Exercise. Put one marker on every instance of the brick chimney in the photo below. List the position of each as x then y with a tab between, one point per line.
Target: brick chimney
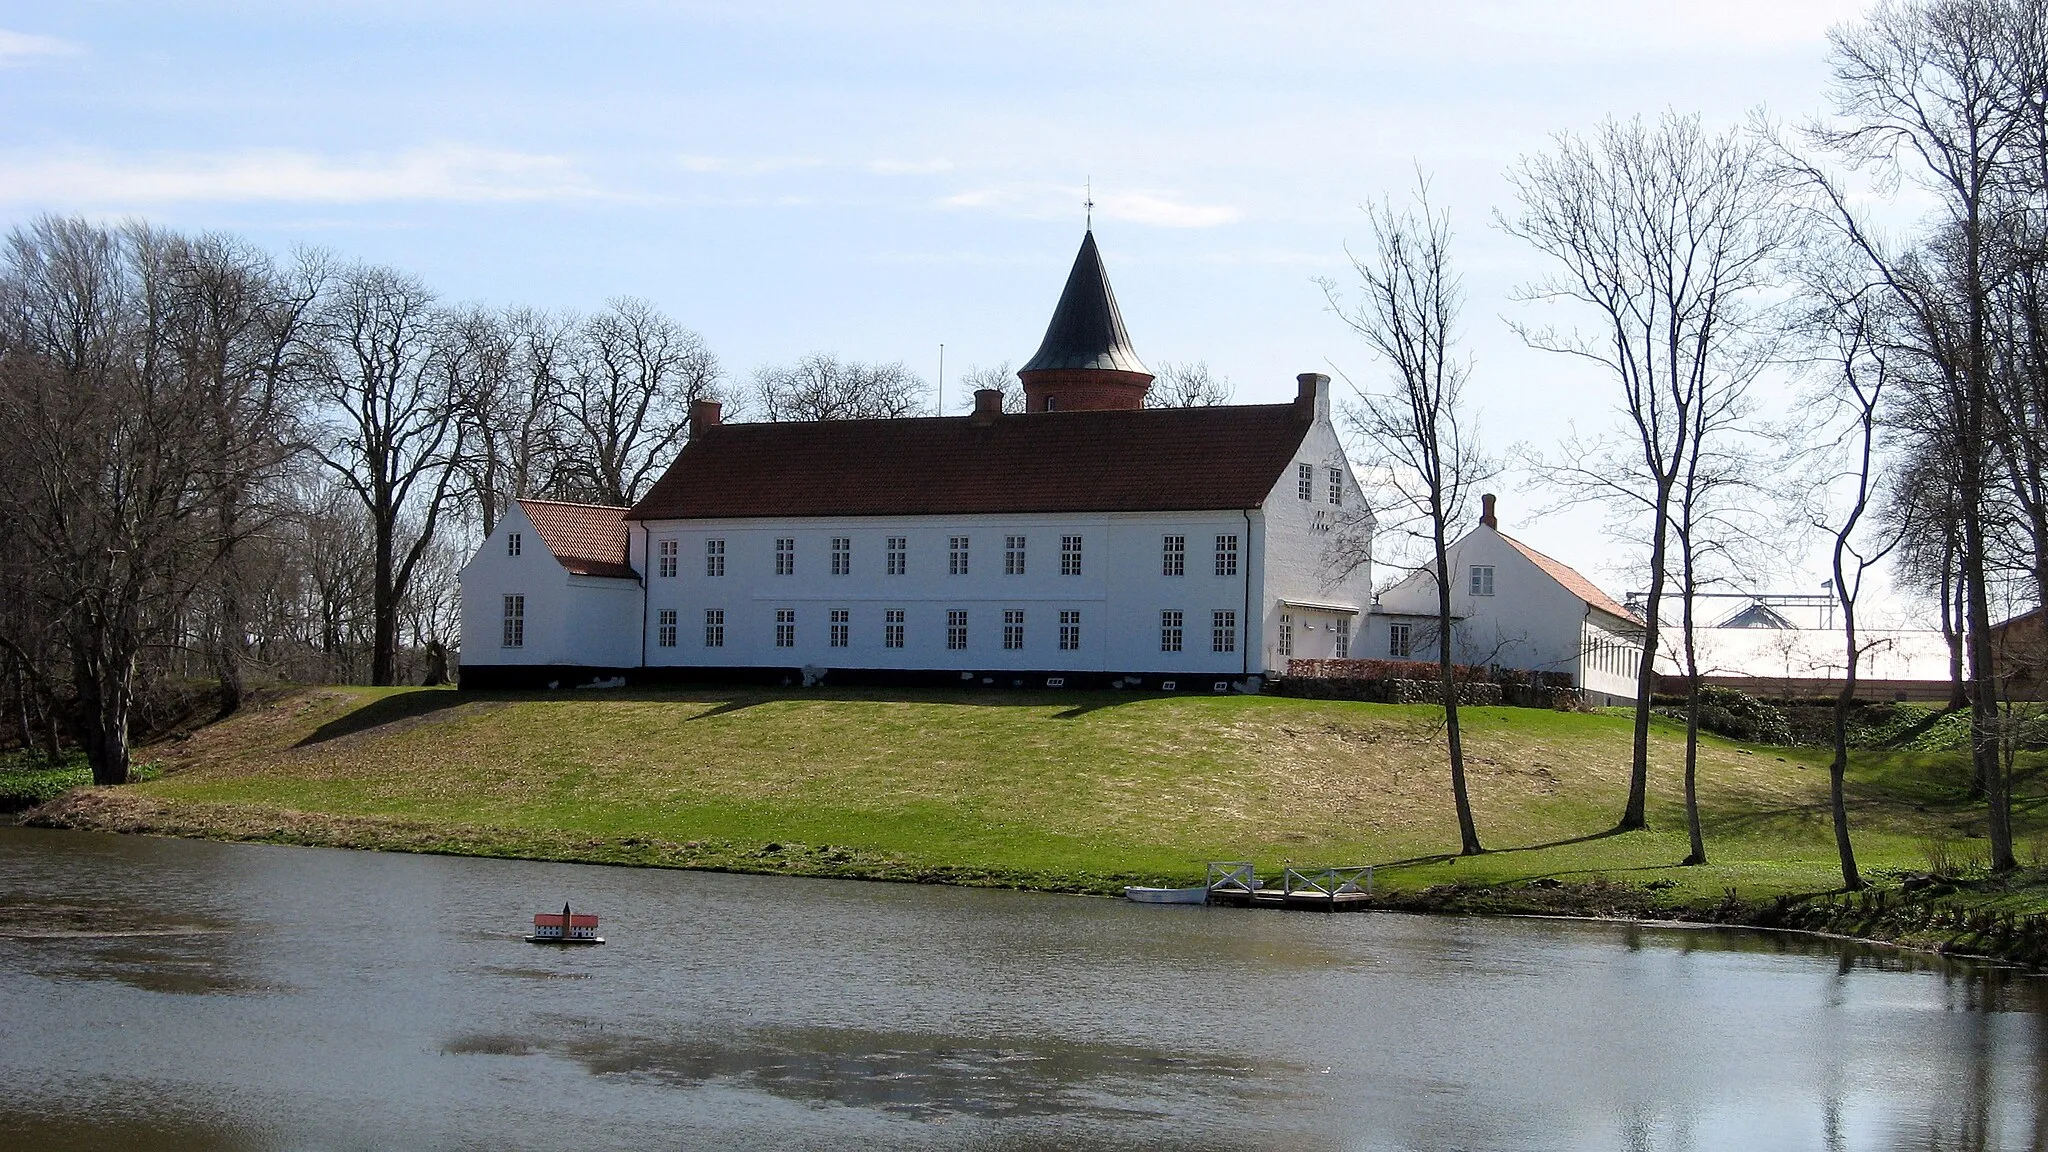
1312	395
1486	516
704	414
988	404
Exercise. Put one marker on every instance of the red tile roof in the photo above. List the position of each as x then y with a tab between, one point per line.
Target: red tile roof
1139	460
1578	585
588	539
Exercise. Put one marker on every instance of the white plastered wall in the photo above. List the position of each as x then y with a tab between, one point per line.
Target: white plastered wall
575	620
1313	552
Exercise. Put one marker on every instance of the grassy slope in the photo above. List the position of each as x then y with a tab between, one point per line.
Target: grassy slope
1077	791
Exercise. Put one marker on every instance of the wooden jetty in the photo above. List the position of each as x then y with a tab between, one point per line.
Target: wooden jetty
1235	883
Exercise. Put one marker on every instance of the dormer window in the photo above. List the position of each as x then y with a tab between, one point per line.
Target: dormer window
512	544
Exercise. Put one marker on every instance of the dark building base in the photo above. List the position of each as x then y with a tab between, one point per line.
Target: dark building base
501	676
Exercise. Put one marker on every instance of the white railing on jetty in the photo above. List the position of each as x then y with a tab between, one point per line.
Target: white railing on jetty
1328	882
1232	876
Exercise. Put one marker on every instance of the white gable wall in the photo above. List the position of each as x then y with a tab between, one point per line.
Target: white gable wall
579	620
1313	551
1530	622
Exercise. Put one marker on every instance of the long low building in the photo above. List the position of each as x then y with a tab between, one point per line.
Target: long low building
1086	540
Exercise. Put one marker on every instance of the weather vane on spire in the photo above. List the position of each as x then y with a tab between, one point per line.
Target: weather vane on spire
1088	204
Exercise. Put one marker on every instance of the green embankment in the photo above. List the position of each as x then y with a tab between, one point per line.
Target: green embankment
1074	792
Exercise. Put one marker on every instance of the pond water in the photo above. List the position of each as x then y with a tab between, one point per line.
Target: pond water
175	994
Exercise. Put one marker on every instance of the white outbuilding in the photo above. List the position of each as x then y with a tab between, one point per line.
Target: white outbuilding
1513	607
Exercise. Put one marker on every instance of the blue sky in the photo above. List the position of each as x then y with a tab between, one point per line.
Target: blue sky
875	179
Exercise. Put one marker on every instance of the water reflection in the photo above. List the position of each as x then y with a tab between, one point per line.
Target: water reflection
168	994
916	1075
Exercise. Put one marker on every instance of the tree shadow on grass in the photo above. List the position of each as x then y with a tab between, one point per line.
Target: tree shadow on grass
399	707
1441	857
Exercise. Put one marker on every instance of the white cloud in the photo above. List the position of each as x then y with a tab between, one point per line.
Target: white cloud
16	47
446	174
908	167
1052	201
746	165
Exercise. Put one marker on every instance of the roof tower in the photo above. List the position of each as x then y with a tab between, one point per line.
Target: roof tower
1086	361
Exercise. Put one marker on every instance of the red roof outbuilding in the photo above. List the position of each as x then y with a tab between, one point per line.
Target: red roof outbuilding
587	539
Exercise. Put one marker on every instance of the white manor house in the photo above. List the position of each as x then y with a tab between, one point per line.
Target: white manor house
1086	541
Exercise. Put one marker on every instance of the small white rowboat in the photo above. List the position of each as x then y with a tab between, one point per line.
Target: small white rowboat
1143	895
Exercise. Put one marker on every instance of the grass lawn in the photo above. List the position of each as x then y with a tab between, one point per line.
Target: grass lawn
1073	791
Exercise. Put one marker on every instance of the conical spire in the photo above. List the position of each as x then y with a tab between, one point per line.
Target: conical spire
1087	331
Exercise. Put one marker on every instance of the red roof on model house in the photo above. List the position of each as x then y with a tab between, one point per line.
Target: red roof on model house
587	539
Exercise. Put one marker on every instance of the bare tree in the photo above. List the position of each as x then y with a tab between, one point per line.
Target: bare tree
820	386
1188	386
1944	92
109	450
392	383
1407	310
627	402
1668	234
233	321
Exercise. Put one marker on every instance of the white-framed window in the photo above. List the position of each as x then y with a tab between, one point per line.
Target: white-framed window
1013	629
1070	555
714	557
1070	631
1400	640
1482	579
1170	630
1226	555
840	627
1013	555
665	628
892	628
842	556
515	621
1343	637
956	629
1173	555
1305	481
785	555
668	559
1337	486
1286	637
785	627
511	543
1223	630
899	556
714	627
956	556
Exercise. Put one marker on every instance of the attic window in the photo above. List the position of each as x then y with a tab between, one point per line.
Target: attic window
512	544
1337	486
1482	579
1305	481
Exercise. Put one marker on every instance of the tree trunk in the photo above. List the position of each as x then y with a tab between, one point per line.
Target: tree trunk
230	644
1633	815
1838	768
1698	842
106	691
1468	832
1984	726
